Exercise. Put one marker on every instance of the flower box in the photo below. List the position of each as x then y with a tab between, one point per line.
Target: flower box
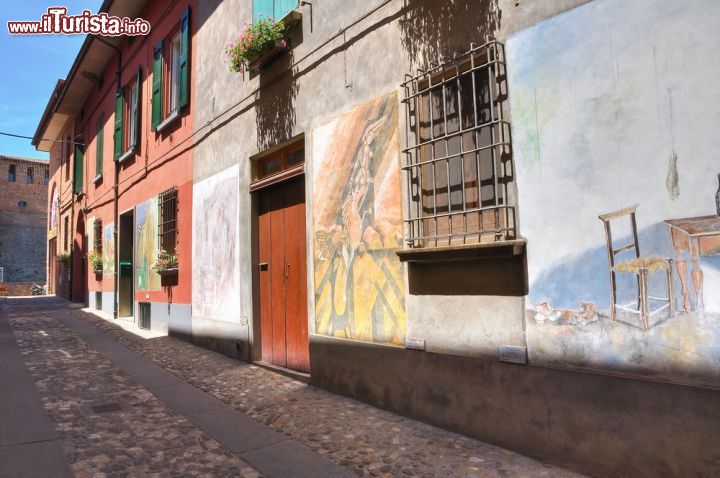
256	46
97	272
167	272
270	54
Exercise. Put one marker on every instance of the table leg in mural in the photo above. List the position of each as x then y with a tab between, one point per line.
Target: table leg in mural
697	273
697	236
682	274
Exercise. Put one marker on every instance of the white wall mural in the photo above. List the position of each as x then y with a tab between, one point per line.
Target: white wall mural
216	275
614	105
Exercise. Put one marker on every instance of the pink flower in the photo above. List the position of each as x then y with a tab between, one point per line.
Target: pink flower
284	44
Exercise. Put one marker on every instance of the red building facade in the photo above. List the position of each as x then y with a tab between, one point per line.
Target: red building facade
120	180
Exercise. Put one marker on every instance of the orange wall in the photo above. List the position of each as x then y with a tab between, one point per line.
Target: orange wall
160	161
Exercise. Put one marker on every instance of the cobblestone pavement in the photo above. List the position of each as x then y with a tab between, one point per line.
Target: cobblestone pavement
142	438
367	440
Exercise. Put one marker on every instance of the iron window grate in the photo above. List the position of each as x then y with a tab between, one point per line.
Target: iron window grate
167	228
458	155
97	235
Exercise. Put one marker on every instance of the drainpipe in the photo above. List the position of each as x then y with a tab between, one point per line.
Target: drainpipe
116	216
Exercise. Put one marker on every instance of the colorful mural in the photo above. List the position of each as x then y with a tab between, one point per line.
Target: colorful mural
610	129
108	251
216	274
359	289
146	245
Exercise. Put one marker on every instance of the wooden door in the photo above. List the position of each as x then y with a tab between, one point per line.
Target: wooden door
283	275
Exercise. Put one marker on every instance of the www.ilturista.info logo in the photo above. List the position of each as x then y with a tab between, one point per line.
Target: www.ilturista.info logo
57	22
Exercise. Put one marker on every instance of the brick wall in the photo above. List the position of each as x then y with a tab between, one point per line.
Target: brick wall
23	220
10	289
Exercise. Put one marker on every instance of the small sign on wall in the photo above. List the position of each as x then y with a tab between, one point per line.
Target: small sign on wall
415	344
512	354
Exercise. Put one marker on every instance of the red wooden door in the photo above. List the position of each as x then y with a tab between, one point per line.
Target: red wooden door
283	275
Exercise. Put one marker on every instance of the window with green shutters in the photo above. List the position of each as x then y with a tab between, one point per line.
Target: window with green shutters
99	146
78	169
126	135
171	75
119	132
275	9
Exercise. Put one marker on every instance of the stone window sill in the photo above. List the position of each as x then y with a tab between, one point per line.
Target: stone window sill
483	250
168	121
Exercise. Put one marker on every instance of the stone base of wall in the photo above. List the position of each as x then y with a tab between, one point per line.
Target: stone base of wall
595	424
13	289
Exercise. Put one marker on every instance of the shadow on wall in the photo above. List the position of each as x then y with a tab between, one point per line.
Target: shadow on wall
275	101
275	105
432	29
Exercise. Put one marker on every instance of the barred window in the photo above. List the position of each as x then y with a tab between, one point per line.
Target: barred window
11	173
29	176
167	228
97	235
458	155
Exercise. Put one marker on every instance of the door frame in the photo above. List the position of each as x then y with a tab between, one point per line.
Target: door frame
130	210
296	172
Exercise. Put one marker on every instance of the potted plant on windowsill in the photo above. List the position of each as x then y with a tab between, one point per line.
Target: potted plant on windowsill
165	264
96	262
64	259
259	43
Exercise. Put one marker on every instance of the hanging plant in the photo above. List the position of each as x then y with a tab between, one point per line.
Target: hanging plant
64	258
165	263
255	43
96	261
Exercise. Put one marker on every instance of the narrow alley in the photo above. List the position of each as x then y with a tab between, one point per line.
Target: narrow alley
116	403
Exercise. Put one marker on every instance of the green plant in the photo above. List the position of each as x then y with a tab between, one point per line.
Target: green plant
96	260
165	261
64	258
254	41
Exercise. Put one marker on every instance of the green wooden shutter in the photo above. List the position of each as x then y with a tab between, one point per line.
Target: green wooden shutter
99	146
282	8
262	9
119	133
78	169
157	86
135	140
184	59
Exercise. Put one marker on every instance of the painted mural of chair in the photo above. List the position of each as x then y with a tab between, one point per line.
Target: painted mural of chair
641	267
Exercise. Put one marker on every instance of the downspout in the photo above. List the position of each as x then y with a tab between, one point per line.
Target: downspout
116	216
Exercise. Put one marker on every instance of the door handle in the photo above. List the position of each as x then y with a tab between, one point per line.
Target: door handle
287	271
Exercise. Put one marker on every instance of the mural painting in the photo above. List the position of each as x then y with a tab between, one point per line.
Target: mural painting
108	250
616	149
359	289
146	245
216	275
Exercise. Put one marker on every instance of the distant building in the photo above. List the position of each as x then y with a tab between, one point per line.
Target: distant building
23	212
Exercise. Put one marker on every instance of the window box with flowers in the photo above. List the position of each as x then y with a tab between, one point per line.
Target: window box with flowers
258	43
165	264
96	261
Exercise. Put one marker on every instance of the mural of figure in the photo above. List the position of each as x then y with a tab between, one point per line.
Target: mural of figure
146	240
358	227
216	280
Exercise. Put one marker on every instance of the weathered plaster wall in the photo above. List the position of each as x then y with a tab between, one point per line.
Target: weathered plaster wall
606	116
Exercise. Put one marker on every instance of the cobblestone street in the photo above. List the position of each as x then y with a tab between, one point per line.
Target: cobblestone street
132	431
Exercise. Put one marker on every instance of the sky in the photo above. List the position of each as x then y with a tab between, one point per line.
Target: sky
31	65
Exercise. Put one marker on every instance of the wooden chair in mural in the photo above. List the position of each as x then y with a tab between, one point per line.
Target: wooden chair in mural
641	267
